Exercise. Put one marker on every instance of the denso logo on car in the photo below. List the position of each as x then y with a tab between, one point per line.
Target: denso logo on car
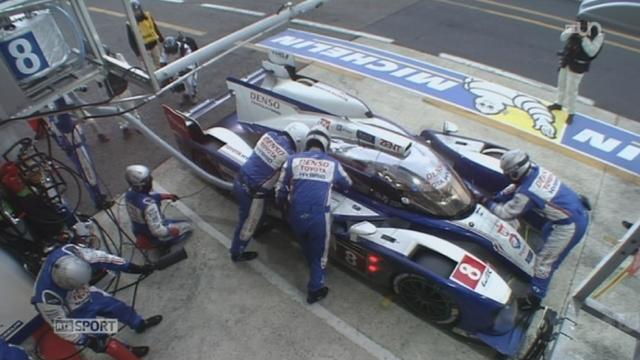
265	100
469	272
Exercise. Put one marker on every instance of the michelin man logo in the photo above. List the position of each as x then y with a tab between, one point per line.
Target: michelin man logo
493	99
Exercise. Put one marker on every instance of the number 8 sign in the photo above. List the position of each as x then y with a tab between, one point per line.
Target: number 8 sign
23	55
469	272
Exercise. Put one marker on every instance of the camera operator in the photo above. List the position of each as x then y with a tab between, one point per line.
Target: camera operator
583	42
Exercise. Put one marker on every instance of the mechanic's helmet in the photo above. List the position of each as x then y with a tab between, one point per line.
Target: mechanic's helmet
135	5
515	164
71	272
318	136
170	45
137	10
297	131
138	177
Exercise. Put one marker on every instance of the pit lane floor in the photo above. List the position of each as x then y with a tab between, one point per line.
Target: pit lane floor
216	309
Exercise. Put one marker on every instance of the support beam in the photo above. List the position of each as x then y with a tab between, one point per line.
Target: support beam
207	52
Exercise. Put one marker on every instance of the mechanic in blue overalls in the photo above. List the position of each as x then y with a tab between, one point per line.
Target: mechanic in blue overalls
256	180
149	225
306	181
565	214
62	291
12	352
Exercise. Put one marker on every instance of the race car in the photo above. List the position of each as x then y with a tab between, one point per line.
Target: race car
410	221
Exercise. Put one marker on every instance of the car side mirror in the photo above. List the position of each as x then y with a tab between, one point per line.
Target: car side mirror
449	127
361	228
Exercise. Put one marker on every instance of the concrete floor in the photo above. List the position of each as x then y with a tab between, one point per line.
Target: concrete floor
216	309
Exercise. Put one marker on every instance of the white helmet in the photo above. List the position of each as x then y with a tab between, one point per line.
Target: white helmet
138	177
515	164
318	136
297	131
71	272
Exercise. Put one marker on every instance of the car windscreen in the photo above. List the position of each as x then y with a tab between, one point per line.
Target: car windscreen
422	181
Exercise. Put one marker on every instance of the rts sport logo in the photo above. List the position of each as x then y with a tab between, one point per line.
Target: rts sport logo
85	326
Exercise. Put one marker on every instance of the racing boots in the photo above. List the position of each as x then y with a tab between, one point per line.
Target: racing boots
554	106
317	295
244	256
149	323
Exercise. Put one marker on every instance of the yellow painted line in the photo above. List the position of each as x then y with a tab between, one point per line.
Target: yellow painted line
531	21
549	16
162	24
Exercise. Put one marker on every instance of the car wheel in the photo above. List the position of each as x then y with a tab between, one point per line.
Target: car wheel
426	299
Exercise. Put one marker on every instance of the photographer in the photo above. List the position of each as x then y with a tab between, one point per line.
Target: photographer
583	42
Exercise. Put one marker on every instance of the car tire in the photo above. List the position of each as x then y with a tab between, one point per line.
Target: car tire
426	299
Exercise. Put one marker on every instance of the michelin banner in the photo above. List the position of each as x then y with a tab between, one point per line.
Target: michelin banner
599	140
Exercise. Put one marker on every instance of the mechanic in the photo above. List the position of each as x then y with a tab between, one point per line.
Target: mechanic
151	36
565	215
583	42
149	225
305	185
12	352
256	180
172	50
62	291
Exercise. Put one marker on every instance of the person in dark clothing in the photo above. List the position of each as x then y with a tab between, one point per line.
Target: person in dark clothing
583	42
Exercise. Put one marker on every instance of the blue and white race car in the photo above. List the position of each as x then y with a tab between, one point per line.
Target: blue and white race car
411	222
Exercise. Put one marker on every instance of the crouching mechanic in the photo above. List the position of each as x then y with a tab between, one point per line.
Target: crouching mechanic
62	291
306	181
149	226
172	50
564	212
256	180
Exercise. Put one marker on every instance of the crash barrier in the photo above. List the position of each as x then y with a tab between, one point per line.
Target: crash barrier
591	140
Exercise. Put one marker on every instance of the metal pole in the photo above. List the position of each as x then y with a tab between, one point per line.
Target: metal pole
95	42
210	50
106	110
148	64
628	244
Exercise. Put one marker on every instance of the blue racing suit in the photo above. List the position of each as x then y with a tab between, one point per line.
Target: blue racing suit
256	179
305	181
12	352
87	302
148	222
566	219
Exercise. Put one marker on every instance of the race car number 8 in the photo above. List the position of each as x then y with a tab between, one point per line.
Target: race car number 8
24	56
469	271
26	61
350	258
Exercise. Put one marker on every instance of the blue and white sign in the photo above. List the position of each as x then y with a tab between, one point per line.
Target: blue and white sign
605	142
596	139
23	56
